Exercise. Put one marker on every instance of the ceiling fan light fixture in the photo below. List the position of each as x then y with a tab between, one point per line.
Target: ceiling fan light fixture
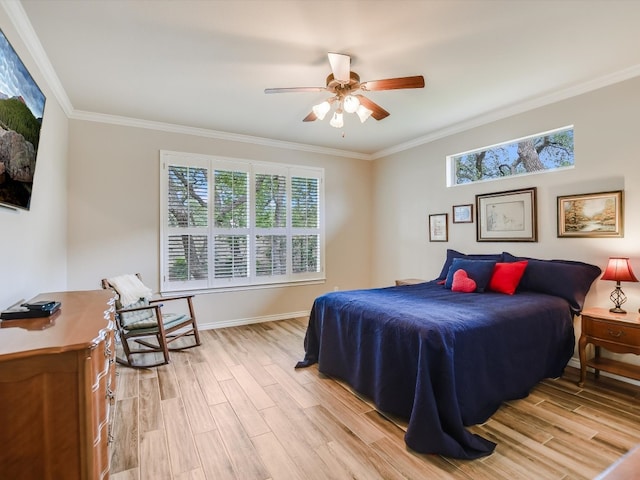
344	84
321	109
363	113
337	120
351	104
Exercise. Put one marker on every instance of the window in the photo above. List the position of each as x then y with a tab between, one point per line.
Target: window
537	153
228	223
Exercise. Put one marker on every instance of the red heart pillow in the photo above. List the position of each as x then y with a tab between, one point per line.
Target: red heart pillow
462	282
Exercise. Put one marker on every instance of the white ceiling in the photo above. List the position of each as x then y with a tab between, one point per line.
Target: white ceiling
205	64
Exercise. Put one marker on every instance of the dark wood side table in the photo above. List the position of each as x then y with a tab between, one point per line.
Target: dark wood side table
619	333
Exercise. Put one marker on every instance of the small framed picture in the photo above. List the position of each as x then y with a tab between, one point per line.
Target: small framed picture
463	213
438	227
590	215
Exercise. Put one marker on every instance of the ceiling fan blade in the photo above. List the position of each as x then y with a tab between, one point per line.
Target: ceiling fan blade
340	67
377	111
310	118
295	89
393	83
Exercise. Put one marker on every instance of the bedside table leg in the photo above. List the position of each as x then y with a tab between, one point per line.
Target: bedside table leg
582	345
597	355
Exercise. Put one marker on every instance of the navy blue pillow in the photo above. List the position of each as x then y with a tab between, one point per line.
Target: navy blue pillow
451	254
567	279
479	271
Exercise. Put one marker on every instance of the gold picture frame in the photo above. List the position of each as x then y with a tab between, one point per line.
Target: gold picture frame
591	215
508	216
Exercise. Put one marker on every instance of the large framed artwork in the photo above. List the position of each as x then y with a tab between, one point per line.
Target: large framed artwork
508	216
591	215
21	111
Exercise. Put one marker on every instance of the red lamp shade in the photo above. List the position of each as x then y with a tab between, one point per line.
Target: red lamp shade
619	270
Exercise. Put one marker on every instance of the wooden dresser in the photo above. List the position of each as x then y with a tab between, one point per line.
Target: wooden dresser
57	382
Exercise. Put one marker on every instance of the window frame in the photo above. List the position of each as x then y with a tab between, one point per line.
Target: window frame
213	163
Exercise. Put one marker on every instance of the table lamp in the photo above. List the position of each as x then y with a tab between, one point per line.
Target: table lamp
618	270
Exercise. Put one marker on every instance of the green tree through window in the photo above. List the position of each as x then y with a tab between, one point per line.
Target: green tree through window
547	151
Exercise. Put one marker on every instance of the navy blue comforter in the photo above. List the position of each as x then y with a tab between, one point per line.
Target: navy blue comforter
438	358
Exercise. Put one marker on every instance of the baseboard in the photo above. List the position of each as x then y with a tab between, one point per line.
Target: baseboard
248	321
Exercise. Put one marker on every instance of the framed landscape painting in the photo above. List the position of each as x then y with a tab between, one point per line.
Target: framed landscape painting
21	111
591	215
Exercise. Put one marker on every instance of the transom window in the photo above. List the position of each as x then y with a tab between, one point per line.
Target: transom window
537	153
228	222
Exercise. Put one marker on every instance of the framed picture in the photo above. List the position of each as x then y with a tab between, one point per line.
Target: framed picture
507	216
463	213
438	227
21	113
590	215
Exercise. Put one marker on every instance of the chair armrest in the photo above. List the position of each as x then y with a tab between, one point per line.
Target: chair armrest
169	299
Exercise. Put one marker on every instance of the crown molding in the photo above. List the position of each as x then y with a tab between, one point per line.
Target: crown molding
25	30
20	20
514	109
27	34
203	132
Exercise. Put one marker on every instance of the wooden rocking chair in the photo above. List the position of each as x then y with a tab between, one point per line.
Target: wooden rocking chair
144	323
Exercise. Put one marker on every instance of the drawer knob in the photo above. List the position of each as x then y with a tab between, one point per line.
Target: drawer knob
615	334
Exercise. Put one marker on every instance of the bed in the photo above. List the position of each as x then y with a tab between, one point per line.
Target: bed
446	359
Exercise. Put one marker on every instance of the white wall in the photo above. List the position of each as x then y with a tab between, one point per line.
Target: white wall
33	243
411	185
114	216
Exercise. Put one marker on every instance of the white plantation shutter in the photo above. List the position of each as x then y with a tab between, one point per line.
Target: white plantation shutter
270	221
231	258
188	257
271	255
271	200
305	219
235	223
306	253
305	202
187	217
231	224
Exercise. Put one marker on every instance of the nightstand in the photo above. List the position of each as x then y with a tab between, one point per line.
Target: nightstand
409	281
619	333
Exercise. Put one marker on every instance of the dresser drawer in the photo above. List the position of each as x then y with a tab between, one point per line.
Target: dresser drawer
612	331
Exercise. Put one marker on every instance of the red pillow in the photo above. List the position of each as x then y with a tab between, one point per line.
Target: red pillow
506	276
462	282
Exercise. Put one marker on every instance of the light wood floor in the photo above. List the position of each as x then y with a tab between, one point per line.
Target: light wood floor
235	408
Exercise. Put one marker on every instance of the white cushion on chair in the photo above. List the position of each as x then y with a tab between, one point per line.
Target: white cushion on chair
130	289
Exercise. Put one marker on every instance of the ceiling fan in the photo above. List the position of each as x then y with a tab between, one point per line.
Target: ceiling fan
345	85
